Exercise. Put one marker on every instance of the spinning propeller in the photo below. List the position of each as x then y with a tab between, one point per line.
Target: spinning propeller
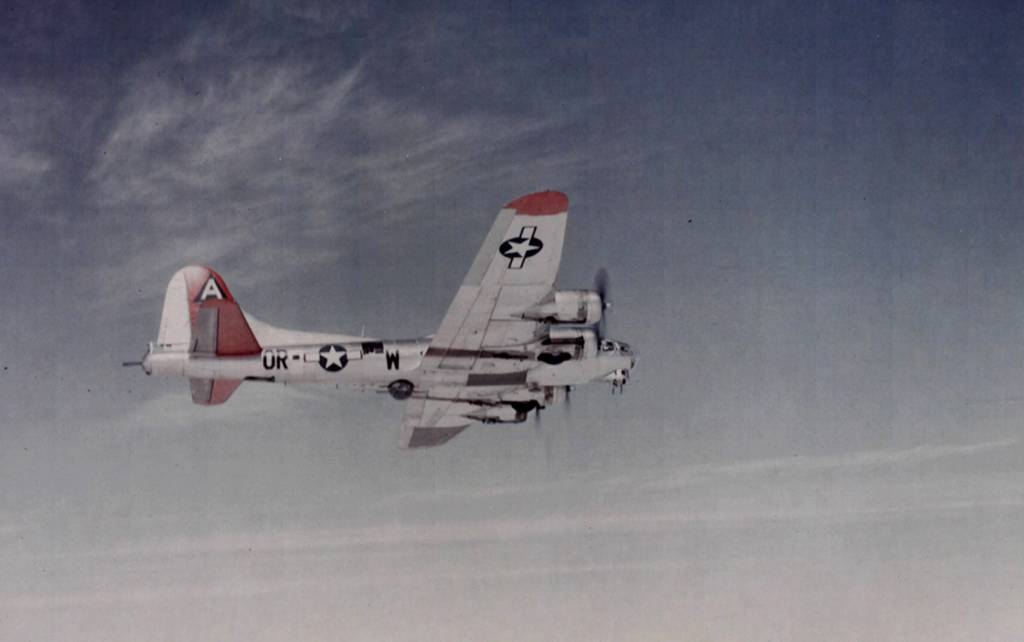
601	285
618	378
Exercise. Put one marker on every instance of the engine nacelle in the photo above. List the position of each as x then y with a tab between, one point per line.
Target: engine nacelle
570	336
501	414
576	343
581	307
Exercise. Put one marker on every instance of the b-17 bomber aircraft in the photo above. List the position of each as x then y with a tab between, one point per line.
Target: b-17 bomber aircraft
509	344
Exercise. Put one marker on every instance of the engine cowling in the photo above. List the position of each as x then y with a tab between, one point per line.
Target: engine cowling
570	336
578	342
578	307
500	414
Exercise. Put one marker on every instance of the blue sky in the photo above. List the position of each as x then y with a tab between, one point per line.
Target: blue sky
810	213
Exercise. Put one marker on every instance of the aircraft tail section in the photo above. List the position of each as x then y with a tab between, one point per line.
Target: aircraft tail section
211	392
201	316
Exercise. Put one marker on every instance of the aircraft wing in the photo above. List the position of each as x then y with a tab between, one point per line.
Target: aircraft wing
514	271
477	349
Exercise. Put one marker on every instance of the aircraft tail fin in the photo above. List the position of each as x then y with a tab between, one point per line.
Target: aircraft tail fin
201	316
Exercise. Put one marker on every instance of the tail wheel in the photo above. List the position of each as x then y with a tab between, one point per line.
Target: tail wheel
401	389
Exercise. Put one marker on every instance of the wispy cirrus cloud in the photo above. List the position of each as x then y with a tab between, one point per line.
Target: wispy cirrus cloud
778	468
25	153
447	550
855	463
251	587
770	499
18	162
222	145
175	154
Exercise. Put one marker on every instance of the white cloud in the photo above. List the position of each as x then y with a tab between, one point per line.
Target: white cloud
18	164
215	150
847	463
26	116
779	468
248	587
771	501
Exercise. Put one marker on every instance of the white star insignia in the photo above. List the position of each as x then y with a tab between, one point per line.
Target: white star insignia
519	248
332	357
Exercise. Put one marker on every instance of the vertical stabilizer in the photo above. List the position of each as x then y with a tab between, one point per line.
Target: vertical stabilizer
175	325
202	318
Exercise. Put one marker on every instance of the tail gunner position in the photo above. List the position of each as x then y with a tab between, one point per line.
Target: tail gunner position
509	344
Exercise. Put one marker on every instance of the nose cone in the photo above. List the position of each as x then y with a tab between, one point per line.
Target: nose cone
147	365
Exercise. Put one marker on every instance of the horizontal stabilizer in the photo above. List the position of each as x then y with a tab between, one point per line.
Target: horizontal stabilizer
427	423
426	437
211	392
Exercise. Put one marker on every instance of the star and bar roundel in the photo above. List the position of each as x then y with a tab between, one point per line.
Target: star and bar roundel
521	247
333	358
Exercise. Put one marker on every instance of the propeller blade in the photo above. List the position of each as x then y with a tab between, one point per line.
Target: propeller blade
601	283
601	286
128	364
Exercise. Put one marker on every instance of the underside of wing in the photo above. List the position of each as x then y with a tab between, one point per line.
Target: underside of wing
445	411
